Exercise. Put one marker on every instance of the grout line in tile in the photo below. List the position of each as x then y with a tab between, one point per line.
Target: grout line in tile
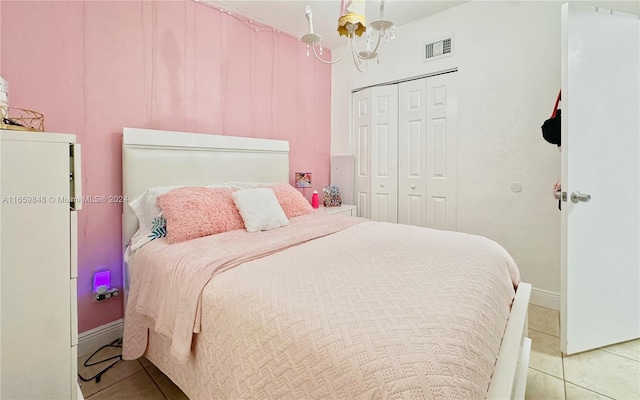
619	355
590	390
93	394
564	374
108	386
546	333
154	382
113	383
119	381
542	372
564	381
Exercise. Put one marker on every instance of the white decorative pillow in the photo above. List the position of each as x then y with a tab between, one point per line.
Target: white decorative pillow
151	223
260	209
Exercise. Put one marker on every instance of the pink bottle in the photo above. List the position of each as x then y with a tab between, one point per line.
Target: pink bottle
315	202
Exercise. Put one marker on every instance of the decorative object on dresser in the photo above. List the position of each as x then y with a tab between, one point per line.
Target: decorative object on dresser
17	119
332	196
4	98
21	119
39	265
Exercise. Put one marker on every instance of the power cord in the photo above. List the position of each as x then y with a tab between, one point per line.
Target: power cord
98	376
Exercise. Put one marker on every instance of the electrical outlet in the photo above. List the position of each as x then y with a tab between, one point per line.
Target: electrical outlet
106	294
102	289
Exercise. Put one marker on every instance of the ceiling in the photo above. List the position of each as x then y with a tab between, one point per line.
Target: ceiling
289	15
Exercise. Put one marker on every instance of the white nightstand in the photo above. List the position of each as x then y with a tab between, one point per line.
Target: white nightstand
343	209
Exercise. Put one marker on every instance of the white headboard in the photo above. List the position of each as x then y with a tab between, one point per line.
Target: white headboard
152	158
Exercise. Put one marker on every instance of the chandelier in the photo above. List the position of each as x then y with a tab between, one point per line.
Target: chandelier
352	23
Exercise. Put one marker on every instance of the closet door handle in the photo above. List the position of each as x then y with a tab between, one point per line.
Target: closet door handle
381	184
413	186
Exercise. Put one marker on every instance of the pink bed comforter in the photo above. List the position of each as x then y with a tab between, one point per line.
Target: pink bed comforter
366	310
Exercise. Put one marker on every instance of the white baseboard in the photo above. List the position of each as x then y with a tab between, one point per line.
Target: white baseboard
545	298
92	340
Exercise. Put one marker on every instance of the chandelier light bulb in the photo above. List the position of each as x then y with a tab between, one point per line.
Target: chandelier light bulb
309	18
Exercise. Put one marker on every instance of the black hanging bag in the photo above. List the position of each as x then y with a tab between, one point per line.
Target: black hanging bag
551	127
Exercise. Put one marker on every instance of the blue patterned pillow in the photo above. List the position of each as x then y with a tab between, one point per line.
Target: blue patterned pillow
158	228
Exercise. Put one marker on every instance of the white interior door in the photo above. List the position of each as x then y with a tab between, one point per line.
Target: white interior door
384	154
440	152
427	152
412	139
600	152
361	112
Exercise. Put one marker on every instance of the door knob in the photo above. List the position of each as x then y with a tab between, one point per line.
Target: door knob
381	184
577	196
413	186
560	195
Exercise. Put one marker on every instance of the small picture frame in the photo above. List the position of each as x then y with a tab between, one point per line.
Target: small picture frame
303	179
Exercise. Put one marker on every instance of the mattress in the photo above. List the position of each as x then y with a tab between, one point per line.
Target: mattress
327	307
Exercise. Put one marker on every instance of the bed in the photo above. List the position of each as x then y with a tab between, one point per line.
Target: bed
325	306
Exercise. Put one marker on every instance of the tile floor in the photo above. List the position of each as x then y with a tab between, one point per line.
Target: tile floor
611	372
138	379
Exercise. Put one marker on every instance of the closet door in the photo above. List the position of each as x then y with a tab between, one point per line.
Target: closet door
384	154
440	152
412	139
375	122
427	152
361	112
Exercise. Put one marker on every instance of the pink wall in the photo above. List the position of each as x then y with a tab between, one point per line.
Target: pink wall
94	67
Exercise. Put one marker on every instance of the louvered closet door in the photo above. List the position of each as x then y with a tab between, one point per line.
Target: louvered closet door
427	151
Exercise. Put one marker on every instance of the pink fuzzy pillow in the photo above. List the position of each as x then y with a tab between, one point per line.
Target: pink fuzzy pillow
292	202
193	212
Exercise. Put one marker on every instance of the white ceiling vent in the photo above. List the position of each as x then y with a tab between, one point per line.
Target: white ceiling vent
438	49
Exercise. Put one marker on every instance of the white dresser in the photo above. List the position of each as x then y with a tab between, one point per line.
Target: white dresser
343	209
38	265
